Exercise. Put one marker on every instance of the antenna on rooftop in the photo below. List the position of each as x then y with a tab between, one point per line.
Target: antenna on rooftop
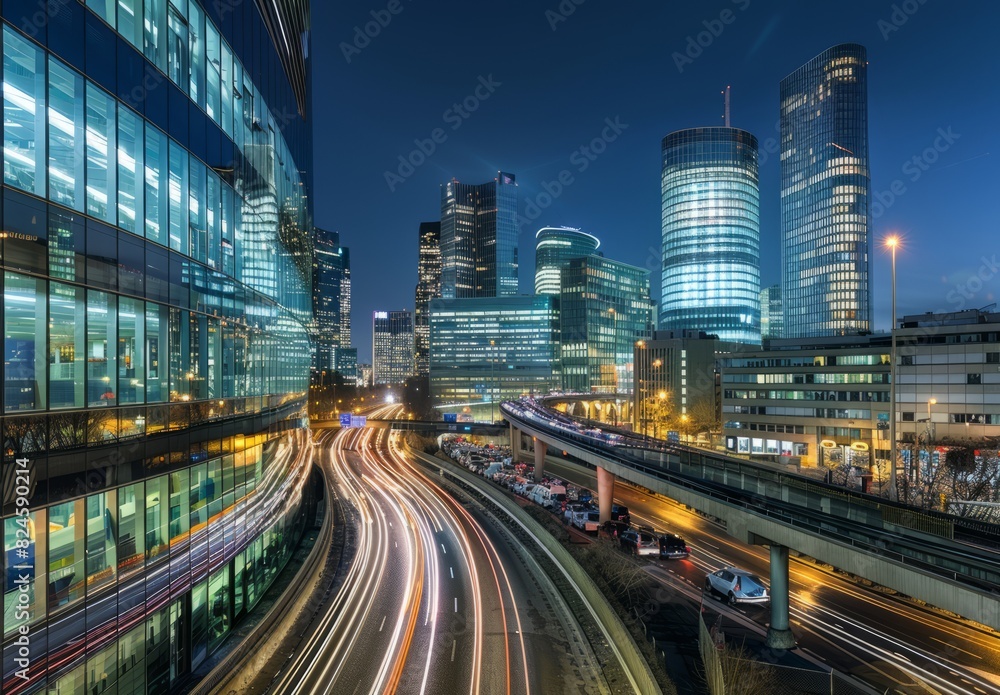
727	93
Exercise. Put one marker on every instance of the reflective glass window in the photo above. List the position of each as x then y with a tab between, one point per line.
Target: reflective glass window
67	346
23	113
177	47
213	220
180	505
155	32
101	355
25	231
130	171
105	9
102	672
67	245
156	202
24	343
157	519
199	623
219	616
131	661
102	565
213	68
179	200
130	21
196	43
101	155
131	353
157	323
227	96
66	136
67	574
131	525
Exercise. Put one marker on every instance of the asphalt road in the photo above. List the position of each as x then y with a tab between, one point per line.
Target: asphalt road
888	642
439	599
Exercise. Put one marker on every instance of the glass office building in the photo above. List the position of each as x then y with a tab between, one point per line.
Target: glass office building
331	287
488	350
826	195
604	307
772	324
555	247
479	238
711	233
392	347
428	288
156	255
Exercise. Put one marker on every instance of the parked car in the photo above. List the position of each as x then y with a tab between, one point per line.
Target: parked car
619	512
639	542
673	546
587	521
737	586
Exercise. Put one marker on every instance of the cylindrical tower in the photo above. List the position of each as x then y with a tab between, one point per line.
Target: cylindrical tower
711	233
554	249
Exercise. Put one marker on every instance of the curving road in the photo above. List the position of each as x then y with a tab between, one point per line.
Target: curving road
893	644
437	599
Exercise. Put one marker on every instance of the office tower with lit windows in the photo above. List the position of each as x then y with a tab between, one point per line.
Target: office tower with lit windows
771	316
711	233
604	307
392	347
555	247
428	288
157	283
479	228
486	350
826	196
331	288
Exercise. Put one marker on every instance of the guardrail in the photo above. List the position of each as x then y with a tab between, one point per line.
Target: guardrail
617	635
729	482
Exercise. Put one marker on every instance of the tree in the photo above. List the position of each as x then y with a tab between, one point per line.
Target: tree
703	416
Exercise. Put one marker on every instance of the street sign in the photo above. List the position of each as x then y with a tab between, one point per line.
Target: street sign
359	420
345	419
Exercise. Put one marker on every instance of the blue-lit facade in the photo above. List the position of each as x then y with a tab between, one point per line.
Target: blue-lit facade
711	233
479	238
604	308
826	196
156	271
555	247
487	350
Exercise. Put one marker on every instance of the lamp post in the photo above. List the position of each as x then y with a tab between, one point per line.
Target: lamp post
892	242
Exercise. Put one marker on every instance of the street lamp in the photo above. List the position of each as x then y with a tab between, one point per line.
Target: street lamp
892	243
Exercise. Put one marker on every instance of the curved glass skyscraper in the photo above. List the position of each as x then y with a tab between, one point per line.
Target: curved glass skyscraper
711	233
826	195
555	247
156	261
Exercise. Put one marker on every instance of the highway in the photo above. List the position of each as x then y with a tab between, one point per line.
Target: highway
437	599
890	643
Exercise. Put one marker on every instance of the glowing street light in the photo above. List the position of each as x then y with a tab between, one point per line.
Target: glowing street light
892	243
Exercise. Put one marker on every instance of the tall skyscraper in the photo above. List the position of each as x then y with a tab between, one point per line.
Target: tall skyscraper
153	386
711	233
428	288
392	347
772	323
479	238
555	247
331	298
604	307
826	195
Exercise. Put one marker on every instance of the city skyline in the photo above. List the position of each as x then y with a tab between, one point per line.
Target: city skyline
923	131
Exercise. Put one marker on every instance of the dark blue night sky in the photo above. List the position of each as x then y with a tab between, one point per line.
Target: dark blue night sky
549	81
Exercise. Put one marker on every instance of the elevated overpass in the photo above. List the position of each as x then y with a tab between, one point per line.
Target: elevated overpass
425	426
944	560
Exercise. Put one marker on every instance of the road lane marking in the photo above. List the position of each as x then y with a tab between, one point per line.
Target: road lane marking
954	647
383	624
451	570
453	643
443	549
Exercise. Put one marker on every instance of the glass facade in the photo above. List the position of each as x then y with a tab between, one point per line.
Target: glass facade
331	283
826	196
479	228
488	350
772	323
392	347
155	271
711	233
428	288
604	307
555	247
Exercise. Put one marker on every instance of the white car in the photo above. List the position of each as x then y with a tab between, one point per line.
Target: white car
737	586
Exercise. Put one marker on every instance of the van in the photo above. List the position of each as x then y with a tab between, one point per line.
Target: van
547	494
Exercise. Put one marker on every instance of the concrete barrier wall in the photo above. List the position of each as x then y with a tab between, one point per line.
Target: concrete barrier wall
614	629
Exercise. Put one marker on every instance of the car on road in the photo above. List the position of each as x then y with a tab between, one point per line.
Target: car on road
619	512
673	547
587	521
639	542
737	586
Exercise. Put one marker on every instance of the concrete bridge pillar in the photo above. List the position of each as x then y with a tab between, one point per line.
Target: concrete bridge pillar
779	636
515	444
605	493
541	448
